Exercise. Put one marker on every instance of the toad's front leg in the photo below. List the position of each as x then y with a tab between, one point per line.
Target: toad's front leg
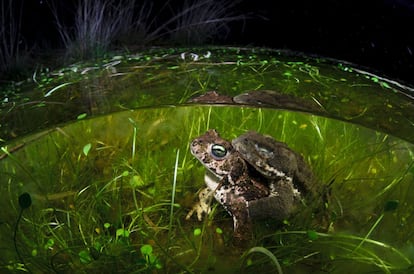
242	223
202	207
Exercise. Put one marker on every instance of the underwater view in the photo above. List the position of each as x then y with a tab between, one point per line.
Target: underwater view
97	175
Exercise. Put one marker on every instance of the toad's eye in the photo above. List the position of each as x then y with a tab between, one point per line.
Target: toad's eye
218	151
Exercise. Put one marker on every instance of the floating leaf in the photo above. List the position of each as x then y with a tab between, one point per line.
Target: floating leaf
384	85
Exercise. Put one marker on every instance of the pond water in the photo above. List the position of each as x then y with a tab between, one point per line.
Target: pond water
103	153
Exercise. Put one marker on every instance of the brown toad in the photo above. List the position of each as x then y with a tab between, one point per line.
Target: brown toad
253	177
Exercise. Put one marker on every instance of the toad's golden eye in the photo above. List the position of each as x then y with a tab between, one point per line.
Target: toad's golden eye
218	151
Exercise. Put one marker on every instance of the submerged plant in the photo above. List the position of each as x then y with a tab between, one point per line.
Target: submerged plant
25	201
110	194
266	252
150	260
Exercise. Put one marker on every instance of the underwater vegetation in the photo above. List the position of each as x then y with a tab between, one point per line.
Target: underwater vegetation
96	174
111	194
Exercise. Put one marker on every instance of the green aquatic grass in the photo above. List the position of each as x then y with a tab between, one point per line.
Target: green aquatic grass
105	189
341	248
267	253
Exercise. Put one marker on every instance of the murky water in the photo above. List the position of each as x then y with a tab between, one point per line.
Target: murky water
102	189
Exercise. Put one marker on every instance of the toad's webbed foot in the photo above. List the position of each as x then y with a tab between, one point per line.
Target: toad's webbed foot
203	205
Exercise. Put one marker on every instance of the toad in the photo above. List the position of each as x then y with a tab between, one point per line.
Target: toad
253	177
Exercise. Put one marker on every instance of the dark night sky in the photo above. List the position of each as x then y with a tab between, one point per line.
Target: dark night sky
373	33
377	34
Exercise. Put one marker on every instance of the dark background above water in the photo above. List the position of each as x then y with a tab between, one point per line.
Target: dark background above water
374	33
377	34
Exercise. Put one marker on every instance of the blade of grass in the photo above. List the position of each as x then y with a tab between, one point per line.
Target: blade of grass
173	196
265	251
